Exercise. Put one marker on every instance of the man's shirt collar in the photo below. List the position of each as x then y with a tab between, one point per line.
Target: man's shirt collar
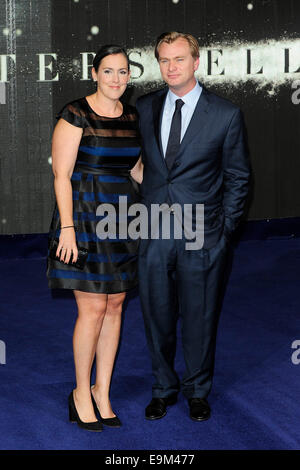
190	99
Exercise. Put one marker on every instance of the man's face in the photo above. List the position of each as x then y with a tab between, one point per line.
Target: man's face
177	66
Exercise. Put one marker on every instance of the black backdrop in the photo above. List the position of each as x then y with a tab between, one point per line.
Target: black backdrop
249	54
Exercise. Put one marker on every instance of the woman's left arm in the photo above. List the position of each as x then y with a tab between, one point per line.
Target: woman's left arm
137	171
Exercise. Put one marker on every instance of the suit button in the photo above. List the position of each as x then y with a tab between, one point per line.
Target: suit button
176	164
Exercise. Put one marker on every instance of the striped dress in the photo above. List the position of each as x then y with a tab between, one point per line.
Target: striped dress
108	149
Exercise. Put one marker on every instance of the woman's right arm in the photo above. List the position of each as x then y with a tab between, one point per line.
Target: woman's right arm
65	143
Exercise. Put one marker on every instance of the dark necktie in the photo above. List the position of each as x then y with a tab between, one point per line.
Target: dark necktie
174	136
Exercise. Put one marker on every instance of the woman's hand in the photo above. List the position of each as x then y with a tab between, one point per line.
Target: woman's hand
137	171
67	245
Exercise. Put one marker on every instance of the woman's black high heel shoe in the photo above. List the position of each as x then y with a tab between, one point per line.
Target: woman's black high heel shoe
110	422
95	426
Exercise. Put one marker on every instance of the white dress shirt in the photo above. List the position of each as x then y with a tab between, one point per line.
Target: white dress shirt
187	110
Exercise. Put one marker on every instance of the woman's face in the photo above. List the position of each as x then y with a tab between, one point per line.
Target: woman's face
112	76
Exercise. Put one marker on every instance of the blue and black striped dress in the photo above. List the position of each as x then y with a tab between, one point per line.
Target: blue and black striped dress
108	149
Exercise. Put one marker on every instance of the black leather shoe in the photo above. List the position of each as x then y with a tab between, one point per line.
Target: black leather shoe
199	409
157	408
95	426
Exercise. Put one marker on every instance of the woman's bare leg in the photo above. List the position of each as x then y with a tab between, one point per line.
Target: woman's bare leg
91	312
106	352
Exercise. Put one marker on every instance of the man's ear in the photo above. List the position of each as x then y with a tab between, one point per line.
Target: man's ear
196	63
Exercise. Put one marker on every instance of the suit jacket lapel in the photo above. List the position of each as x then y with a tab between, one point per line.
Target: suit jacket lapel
198	120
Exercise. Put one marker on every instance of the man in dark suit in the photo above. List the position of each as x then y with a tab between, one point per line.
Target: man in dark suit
194	152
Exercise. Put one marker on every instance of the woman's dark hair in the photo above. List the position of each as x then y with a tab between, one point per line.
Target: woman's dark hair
108	50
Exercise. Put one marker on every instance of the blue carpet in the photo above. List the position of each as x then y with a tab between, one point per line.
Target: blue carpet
256	390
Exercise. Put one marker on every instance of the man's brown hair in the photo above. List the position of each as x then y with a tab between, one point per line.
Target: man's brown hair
172	36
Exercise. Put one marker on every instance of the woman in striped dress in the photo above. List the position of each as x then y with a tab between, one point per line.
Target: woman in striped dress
95	155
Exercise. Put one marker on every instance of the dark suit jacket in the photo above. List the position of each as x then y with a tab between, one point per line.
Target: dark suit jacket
212	166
